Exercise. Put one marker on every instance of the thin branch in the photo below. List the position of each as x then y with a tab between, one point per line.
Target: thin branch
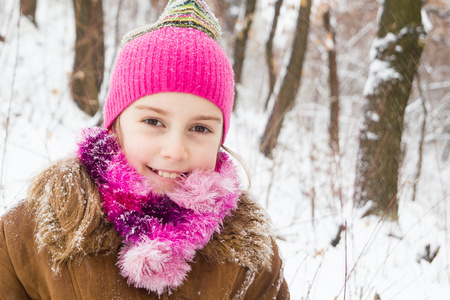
393	200
314	279
8	119
298	268
345	255
422	136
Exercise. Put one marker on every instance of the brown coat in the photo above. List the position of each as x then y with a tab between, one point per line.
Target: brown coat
240	263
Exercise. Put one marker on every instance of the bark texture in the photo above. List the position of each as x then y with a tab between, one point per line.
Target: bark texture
397	49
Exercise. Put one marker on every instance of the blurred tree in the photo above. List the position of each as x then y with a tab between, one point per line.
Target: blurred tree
330	43
158	6
226	12
89	64
28	9
397	50
242	29
291	81
269	51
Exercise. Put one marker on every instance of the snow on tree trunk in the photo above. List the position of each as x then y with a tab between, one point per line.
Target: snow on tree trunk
395	57
291	81
89	63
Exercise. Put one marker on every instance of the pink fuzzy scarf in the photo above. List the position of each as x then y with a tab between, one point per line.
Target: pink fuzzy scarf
161	232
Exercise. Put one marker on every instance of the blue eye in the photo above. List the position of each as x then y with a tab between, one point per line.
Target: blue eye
201	129
153	122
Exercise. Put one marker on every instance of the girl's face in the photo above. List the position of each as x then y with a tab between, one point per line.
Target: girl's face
165	135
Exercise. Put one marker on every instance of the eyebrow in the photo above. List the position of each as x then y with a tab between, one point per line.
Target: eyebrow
207	118
165	113
157	110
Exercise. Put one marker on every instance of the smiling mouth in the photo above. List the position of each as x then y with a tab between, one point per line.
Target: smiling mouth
167	175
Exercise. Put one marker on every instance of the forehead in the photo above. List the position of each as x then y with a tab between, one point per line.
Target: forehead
177	103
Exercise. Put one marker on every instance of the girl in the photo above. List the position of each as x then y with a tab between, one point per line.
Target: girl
150	206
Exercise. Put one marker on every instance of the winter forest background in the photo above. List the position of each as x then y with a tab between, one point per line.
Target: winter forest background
356	182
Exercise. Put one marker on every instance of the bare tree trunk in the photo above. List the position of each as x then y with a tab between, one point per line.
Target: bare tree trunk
397	49
28	9
330	43
87	74
241	41
291	81
269	51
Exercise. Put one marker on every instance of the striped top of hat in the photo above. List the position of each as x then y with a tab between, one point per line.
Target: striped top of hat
182	13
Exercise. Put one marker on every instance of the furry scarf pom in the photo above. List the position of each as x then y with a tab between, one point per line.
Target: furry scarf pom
161	232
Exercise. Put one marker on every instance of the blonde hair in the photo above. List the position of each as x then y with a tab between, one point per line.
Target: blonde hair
68	213
242	163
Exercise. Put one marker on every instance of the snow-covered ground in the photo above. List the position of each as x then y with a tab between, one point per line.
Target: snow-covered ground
306	189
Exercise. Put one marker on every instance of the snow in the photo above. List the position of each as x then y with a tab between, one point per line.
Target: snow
380	71
372	136
374	117
306	189
427	25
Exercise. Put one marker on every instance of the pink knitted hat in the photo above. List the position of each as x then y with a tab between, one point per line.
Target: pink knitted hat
179	53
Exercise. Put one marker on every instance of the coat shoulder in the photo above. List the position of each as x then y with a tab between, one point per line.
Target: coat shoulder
246	238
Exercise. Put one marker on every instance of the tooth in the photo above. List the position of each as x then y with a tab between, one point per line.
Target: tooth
168	175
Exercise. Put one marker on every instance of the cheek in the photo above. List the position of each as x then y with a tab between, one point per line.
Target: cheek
135	152
206	159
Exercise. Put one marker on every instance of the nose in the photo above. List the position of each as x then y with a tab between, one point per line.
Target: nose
174	147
